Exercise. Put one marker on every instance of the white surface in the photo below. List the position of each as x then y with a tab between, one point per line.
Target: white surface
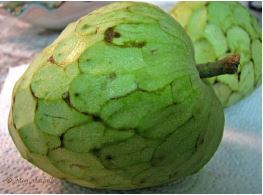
6	94
235	168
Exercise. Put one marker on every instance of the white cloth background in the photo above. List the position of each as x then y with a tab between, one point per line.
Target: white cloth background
235	167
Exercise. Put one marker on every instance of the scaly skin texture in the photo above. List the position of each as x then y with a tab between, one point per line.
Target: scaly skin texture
116	102
218	29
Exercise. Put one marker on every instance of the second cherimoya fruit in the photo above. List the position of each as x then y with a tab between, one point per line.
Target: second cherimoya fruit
221	28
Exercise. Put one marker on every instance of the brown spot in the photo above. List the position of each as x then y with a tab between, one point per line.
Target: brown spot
51	59
109	34
137	44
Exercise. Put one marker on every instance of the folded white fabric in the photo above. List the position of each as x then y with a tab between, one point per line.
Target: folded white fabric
235	168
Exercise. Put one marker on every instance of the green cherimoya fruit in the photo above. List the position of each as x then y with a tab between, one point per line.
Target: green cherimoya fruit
116	102
220	28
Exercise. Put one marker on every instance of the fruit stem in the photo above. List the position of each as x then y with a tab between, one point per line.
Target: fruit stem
227	65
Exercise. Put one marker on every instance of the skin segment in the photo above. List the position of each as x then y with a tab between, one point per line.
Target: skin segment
116	102
226	28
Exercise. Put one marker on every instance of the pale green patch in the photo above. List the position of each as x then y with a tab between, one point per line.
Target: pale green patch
247	79
222	92
55	117
88	93
216	38
204	52
196	24
37	141
24	102
239	42
127	112
50	82
91	136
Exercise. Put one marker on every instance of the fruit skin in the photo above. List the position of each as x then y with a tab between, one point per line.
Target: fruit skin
116	102
218	29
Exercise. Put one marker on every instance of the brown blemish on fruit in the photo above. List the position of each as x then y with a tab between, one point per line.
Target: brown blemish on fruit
109	34
51	59
139	44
